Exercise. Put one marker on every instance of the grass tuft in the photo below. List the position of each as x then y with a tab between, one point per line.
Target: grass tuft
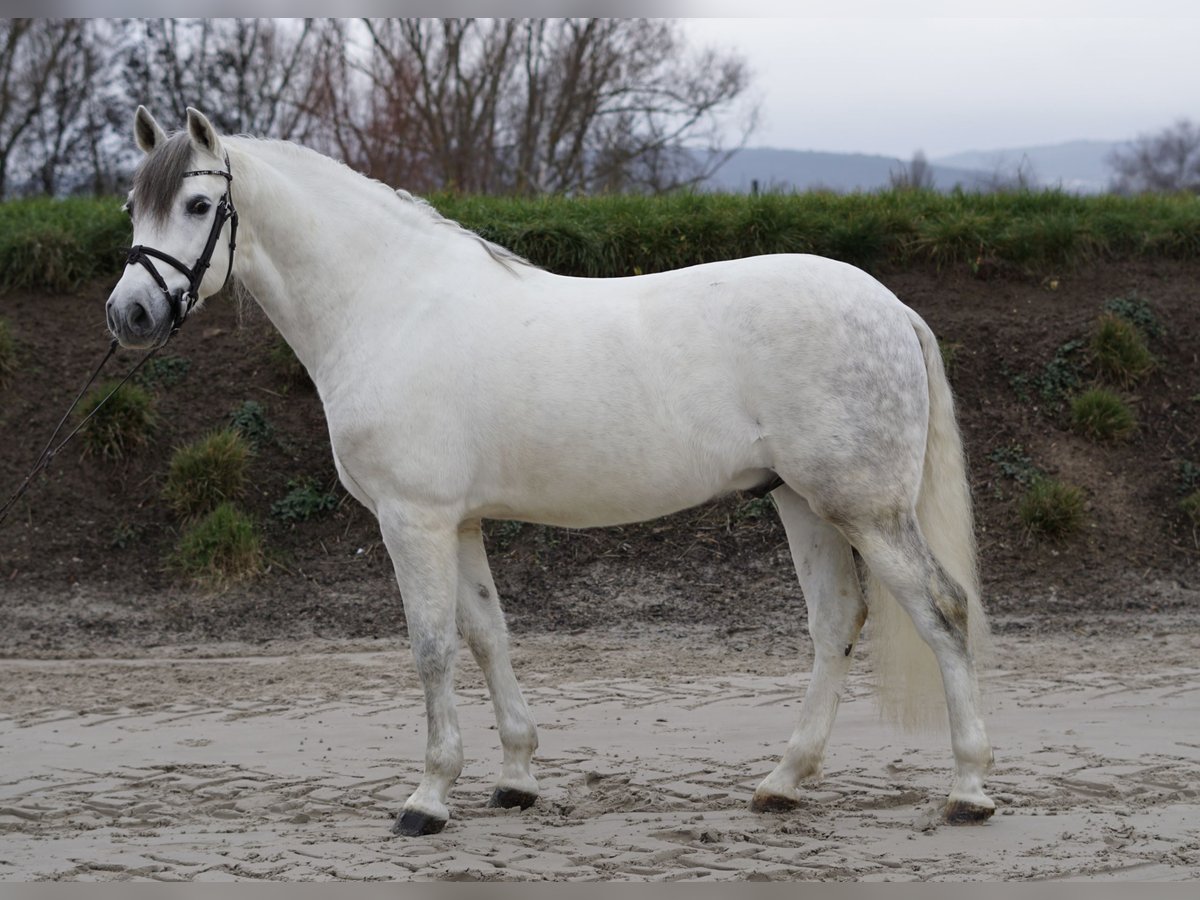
206	473
222	547
1119	351
8	353
122	425
1051	509
1101	415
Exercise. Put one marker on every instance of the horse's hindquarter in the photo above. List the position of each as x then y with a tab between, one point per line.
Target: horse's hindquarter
598	401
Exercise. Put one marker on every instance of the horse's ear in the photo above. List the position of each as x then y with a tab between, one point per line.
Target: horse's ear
146	131
202	133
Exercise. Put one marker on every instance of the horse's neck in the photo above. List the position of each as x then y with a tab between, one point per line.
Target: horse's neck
313	235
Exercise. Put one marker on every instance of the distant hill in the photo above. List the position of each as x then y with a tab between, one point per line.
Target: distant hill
1076	166
787	170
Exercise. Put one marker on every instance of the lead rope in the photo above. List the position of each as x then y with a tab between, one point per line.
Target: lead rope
51	449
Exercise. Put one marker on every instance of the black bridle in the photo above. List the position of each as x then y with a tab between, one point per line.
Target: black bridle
181	304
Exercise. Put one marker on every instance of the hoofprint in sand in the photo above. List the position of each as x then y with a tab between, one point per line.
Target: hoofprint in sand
205	763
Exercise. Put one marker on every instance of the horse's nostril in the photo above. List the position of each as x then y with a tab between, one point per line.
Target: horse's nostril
139	317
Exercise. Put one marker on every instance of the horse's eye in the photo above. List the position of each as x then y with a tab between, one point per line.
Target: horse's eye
198	206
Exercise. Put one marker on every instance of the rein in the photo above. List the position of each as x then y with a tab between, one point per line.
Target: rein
180	306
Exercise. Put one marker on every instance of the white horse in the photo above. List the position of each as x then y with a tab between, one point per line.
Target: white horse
462	383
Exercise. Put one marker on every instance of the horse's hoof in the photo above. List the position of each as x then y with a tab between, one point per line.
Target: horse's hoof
763	802
414	823
962	812
506	798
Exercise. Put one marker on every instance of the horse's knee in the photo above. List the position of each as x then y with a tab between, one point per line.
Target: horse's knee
434	657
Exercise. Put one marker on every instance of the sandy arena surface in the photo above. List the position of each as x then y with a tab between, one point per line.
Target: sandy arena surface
211	764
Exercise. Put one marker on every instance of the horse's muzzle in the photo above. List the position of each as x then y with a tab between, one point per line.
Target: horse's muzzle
138	322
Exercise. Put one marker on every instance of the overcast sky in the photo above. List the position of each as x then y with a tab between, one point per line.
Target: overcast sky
888	76
893	85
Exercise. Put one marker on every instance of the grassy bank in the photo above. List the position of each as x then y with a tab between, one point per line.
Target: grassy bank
57	245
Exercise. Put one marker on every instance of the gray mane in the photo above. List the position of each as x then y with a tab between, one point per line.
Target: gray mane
156	179
502	255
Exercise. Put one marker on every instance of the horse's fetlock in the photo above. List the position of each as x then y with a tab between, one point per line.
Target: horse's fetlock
521	736
445	763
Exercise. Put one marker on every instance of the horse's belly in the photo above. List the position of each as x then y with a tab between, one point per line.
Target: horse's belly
612	482
587	505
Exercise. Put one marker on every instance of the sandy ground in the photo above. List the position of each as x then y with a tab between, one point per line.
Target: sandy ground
210	764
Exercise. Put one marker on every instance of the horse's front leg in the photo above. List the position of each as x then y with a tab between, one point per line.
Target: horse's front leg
481	622
424	551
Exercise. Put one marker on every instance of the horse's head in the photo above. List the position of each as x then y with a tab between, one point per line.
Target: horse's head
183	230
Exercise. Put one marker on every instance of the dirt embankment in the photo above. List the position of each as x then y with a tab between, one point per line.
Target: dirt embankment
82	559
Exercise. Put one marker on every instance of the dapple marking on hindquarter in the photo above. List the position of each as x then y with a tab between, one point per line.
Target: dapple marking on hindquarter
461	383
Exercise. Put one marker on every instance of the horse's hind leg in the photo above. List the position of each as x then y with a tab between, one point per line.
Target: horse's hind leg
832	592
481	623
896	552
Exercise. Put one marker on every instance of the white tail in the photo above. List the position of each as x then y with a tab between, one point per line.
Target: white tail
908	680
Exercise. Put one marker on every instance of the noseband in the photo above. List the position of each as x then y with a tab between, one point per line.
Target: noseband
181	305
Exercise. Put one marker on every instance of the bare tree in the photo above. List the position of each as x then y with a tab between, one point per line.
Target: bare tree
246	74
502	105
916	176
329	100
67	147
103	152
356	106
261	64
1168	160
451	73
619	103
31	54
556	105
